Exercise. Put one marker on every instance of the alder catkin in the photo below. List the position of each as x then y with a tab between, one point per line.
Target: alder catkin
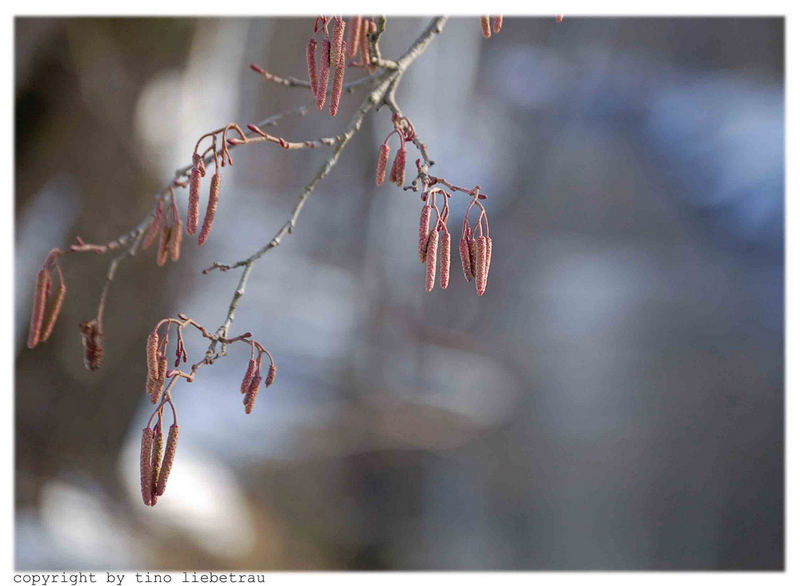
363	41
353	32
252	392
157	387
175	240
466	264
488	256
337	47
311	58
486	29
37	310
152	230
444	261
92	340
248	376
322	84
424	228
163	245
193	213
480	276
399	166
169	458
497	24
53	309
211	210
430	260
145	465
155	464
473	251
338	84
383	160
271	373
152	355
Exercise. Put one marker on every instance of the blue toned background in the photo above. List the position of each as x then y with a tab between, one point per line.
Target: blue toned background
614	401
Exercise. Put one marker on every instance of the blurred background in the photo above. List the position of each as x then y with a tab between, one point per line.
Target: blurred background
614	401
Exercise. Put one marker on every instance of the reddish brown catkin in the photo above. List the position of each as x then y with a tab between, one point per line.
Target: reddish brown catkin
473	253
145	465
271	373
155	464
424	228
486	29
211	210
158	384
444	261
363	40
37	311
252	392
488	256
430	260
497	25
337	46
92	340
400	166
248	376
169	459
175	240
353	31
480	277
322	87
193	213
151	350
466	266
163	246
383	160
311	58
152	230
53	309
338	84
371	29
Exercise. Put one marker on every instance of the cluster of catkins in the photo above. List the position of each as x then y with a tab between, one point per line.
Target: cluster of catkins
333	51
168	226
193	212
487	28
156	349
155	462
405	132
252	378
46	302
475	248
